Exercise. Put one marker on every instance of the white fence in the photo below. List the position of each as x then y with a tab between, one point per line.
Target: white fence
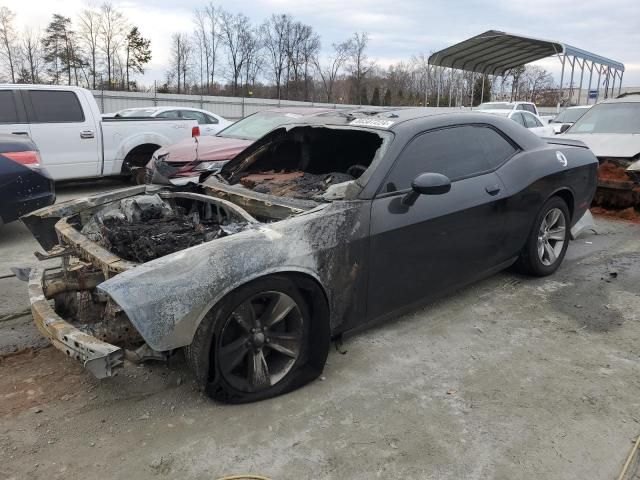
232	108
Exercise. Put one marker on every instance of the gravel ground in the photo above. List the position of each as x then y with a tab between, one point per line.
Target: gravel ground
511	378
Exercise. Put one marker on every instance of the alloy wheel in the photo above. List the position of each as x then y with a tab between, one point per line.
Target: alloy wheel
261	341
551	236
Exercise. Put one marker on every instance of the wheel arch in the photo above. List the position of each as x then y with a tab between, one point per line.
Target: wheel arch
311	288
568	196
136	156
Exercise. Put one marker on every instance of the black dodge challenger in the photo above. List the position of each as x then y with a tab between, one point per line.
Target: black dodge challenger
317	228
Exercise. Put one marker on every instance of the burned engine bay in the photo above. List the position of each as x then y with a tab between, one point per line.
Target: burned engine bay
145	227
310	163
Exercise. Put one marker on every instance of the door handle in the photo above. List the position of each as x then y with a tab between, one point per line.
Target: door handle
493	189
86	134
19	133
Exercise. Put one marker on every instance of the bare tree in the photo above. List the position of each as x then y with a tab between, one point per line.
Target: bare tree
213	22
90	21
8	45
201	43
112	30
274	34
234	30
180	51
359	64
329	71
31	53
309	54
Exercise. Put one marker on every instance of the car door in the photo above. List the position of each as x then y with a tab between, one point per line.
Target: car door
441	240
66	137
13	118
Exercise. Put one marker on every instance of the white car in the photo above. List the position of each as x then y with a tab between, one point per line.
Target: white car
611	129
509	106
568	117
74	141
528	120
210	123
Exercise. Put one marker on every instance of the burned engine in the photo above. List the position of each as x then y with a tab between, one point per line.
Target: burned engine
146	227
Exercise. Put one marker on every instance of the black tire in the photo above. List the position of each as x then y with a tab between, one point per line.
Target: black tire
530	262
221	323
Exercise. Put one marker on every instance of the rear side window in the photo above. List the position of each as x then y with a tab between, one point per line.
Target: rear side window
517	117
192	115
8	110
457	152
51	106
531	121
169	114
529	108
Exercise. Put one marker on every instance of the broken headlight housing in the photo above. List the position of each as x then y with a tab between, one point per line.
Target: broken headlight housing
209	166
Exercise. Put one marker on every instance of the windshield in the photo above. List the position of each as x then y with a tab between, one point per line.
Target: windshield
257	125
147	112
570	115
610	118
495	106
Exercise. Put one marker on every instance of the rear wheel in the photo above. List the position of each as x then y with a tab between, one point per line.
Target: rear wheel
257	343
548	241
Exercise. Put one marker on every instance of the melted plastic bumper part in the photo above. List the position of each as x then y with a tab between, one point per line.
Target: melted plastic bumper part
100	358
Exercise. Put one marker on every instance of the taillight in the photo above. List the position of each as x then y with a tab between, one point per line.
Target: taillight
29	159
195	131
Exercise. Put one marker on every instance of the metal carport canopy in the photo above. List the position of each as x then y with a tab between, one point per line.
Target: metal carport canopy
494	53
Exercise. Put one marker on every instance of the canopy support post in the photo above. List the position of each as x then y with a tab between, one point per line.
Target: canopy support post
590	78
564	59
482	92
580	86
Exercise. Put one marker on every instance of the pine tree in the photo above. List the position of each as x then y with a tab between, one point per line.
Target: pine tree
375	98
138	53
60	49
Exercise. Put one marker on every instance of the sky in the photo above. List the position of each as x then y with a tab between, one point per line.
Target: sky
397	29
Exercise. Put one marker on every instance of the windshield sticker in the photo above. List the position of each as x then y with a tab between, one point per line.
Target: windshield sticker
372	122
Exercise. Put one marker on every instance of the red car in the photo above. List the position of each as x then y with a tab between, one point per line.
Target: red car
193	156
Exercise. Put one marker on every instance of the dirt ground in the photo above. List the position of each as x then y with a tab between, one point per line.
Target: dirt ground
511	378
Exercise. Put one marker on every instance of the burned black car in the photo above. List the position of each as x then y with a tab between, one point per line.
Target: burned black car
317	228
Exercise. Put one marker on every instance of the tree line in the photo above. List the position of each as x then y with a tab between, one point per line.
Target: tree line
225	53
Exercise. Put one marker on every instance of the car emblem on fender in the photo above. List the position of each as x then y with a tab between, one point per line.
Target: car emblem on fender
561	158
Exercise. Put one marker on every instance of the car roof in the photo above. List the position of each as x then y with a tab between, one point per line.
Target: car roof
629	98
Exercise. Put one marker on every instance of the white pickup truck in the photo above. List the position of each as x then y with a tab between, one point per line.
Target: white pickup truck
74	141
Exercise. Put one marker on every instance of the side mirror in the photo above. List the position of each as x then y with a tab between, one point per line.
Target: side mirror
564	128
427	184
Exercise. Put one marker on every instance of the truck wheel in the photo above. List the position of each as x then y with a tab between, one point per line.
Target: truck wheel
256	343
548	241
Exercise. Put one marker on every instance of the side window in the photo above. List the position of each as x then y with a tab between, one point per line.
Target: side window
169	114
517	117
529	108
211	119
8	109
191	115
456	152
520	107
55	106
530	121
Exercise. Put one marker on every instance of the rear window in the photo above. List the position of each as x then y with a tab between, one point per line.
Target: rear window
51	106
8	110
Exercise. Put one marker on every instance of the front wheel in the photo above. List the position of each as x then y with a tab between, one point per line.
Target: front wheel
548	241
258	342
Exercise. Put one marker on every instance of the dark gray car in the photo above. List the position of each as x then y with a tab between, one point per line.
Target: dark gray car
316	229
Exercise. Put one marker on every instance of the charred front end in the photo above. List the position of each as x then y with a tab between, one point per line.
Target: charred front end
99	240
